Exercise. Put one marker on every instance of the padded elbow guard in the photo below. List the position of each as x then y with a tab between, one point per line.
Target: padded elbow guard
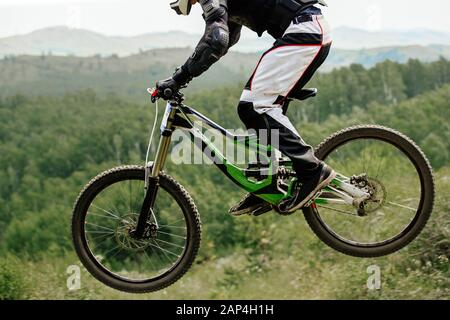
210	49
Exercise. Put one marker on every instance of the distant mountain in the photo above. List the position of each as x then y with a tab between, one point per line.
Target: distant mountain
78	42
83	43
355	39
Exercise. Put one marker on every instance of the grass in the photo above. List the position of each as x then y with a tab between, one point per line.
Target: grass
287	262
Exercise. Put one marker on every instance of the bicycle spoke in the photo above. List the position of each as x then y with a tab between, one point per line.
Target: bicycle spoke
98	232
123	196
172	226
380	161
129	189
172	234
377	175
120	249
179	220
392	210
97	245
102	236
338	210
338	161
170	243
149	259
152	248
111	217
105	211
401	206
103	216
364	157
96	225
164	250
111	250
129	220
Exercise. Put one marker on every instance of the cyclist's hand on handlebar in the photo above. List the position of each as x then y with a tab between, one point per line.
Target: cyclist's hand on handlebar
167	88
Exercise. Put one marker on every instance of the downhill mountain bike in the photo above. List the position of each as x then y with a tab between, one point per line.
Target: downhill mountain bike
136	229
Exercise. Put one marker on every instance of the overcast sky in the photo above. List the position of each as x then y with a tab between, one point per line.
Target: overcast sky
132	17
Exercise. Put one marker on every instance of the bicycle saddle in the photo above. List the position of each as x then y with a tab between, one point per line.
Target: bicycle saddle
300	95
303	94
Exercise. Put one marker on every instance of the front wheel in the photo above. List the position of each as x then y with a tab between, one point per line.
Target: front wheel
106	213
396	173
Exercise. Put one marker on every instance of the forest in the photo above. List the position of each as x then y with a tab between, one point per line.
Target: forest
52	145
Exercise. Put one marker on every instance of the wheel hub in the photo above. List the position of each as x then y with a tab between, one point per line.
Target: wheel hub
377	192
125	233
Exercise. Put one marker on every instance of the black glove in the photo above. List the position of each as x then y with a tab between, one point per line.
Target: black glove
167	88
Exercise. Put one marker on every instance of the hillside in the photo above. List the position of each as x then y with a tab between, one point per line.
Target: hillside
130	76
372	56
65	119
52	146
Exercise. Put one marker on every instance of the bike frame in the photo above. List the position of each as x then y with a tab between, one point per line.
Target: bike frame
179	116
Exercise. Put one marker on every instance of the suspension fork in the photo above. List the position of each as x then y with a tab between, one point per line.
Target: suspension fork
152	177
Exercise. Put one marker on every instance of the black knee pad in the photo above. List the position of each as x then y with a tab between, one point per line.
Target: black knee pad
251	118
246	113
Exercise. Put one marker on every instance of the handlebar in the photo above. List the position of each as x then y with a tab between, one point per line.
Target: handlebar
168	94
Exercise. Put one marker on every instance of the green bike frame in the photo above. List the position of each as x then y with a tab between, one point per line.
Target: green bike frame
179	116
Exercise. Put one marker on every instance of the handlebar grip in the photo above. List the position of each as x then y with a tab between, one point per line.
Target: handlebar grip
168	92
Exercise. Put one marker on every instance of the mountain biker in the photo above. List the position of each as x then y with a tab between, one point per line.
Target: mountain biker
302	45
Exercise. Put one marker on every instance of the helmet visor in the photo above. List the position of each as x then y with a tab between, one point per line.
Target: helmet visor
182	7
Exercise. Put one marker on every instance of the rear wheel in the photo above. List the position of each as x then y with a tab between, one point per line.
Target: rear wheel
105	215
395	171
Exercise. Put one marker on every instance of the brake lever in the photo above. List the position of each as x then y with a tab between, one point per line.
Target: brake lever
176	96
153	93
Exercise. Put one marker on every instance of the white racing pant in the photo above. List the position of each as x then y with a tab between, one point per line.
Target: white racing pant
282	70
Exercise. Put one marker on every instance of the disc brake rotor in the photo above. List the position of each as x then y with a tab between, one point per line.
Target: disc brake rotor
123	234
378	195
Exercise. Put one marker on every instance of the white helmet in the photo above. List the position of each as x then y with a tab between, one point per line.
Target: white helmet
182	6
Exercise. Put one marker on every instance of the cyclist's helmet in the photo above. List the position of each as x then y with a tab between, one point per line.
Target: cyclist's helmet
182	6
